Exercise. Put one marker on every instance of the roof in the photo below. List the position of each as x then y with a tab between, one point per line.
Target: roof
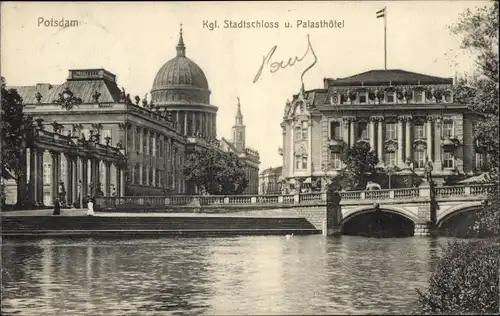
386	77
84	89
231	146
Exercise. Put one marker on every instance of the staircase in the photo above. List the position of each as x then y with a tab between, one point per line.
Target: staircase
149	225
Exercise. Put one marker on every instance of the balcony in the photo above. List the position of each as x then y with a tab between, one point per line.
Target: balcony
335	144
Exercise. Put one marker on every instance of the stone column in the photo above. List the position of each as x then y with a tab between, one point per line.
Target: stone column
107	178
309	148
122	181
408	142
177	119
292	150
33	177
372	133
428	135
380	139
185	123
193	123
69	179
400	142
74	180
55	166
352	128
155	154
148	142
118	180
39	178
138	140
84	178
437	145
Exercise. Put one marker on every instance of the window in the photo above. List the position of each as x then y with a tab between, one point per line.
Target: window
144	176
448	160
304	162
137	173
390	97
240	136
151	142
448	130
362	130
419	96
390	158
391	131
144	143
362	98
419	131
297	162
159	148
304	131
46	173
336	162
298	134
334	130
479	161
419	159
137	140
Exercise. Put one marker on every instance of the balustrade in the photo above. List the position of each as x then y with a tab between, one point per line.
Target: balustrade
304	198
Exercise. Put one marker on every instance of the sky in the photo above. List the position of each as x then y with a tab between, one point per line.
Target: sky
134	39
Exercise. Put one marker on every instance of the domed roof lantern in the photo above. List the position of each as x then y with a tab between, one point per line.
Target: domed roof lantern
181	48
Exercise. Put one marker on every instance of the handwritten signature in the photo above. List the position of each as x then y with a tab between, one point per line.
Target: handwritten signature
274	66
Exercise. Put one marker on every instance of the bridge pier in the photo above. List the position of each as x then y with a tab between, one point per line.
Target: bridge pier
332	223
425	229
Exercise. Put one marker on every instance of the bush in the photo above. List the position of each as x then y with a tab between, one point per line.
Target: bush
465	280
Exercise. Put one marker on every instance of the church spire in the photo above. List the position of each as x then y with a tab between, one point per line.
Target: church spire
238	113
181	48
239	130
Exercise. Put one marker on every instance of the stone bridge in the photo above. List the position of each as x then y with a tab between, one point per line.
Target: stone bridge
411	203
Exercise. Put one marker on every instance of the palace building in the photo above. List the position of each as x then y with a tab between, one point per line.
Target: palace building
405	117
147	140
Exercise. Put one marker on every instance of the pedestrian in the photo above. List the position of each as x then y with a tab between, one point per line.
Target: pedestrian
57	207
90	206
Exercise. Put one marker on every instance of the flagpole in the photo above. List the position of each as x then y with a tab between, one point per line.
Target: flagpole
385	38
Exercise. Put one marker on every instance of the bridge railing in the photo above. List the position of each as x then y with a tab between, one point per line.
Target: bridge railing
293	199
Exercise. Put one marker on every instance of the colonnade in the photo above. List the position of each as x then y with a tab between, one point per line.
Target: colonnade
76	181
191	122
404	142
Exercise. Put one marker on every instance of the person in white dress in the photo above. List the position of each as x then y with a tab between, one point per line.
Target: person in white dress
90	207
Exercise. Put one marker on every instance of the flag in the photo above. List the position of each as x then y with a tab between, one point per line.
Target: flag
381	13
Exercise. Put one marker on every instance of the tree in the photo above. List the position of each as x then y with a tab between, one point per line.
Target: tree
216	172
479	33
359	164
17	128
465	281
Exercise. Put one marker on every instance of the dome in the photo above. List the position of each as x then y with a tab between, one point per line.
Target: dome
180	71
180	80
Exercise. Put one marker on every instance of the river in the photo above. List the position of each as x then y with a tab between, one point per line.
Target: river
216	276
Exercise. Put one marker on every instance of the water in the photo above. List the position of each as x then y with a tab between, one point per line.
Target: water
216	276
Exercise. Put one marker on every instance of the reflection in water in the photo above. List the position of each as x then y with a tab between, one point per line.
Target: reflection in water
239	275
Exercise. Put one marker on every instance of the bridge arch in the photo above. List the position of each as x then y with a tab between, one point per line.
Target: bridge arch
458	209
350	214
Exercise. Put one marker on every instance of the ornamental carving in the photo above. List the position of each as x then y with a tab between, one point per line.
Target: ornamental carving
336	144
67	99
449	144
419	144
391	145
301	151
